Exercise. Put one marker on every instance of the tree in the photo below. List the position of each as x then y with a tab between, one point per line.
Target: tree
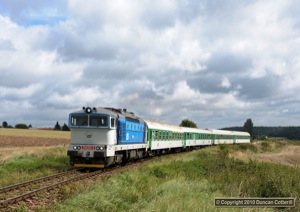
21	126
248	127
4	124
188	123
65	128
57	126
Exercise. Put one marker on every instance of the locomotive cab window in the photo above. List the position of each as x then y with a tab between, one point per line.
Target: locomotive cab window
98	121
84	120
79	120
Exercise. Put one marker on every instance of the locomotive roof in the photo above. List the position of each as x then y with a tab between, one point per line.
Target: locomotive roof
127	115
97	110
113	112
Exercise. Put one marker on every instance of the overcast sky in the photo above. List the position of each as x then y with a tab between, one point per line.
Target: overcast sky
214	62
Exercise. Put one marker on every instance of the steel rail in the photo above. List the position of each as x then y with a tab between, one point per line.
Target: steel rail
28	194
29	182
48	188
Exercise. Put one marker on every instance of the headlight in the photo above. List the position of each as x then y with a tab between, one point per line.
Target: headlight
77	147
99	148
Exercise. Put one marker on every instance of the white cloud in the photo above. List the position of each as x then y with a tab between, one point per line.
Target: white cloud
167	59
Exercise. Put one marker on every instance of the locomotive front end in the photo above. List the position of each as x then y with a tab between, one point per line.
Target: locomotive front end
93	132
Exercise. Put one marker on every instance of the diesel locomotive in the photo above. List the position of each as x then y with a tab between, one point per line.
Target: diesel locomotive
104	136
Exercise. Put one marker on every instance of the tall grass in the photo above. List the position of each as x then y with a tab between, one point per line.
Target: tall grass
170	184
25	167
180	182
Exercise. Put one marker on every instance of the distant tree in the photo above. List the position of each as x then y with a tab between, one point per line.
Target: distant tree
188	123
65	128
29	126
4	124
248	127
57	126
21	126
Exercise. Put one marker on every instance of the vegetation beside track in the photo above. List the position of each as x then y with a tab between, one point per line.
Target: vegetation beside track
180	182
189	182
29	154
37	162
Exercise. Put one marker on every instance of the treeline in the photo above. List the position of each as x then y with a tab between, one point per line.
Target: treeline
24	126
289	132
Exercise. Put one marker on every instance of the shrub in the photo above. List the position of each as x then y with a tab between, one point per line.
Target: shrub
21	126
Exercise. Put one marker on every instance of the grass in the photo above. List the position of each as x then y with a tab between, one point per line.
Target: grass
153	187
179	182
35	133
25	167
187	182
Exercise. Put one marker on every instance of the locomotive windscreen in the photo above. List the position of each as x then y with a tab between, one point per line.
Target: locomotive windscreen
88	120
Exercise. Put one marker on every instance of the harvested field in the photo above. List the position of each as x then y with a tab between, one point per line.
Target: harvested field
16	142
289	155
25	141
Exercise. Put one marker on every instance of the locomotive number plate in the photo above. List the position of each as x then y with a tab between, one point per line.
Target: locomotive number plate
88	147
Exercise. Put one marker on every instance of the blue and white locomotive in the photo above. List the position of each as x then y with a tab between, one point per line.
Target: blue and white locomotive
104	136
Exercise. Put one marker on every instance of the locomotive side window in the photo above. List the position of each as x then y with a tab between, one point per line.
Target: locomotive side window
112	123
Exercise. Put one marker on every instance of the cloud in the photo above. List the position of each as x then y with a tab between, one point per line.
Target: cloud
217	63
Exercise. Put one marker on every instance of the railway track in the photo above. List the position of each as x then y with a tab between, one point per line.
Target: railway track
22	191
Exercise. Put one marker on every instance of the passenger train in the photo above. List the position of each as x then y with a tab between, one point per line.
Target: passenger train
101	137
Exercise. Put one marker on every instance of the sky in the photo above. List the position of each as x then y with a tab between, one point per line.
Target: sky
214	62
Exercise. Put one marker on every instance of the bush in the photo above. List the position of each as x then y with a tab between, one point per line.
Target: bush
21	126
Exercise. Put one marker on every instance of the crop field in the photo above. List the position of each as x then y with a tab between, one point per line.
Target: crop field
187	181
20	137
28	154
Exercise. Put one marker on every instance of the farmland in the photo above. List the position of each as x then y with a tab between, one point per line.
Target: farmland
181	182
28	154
